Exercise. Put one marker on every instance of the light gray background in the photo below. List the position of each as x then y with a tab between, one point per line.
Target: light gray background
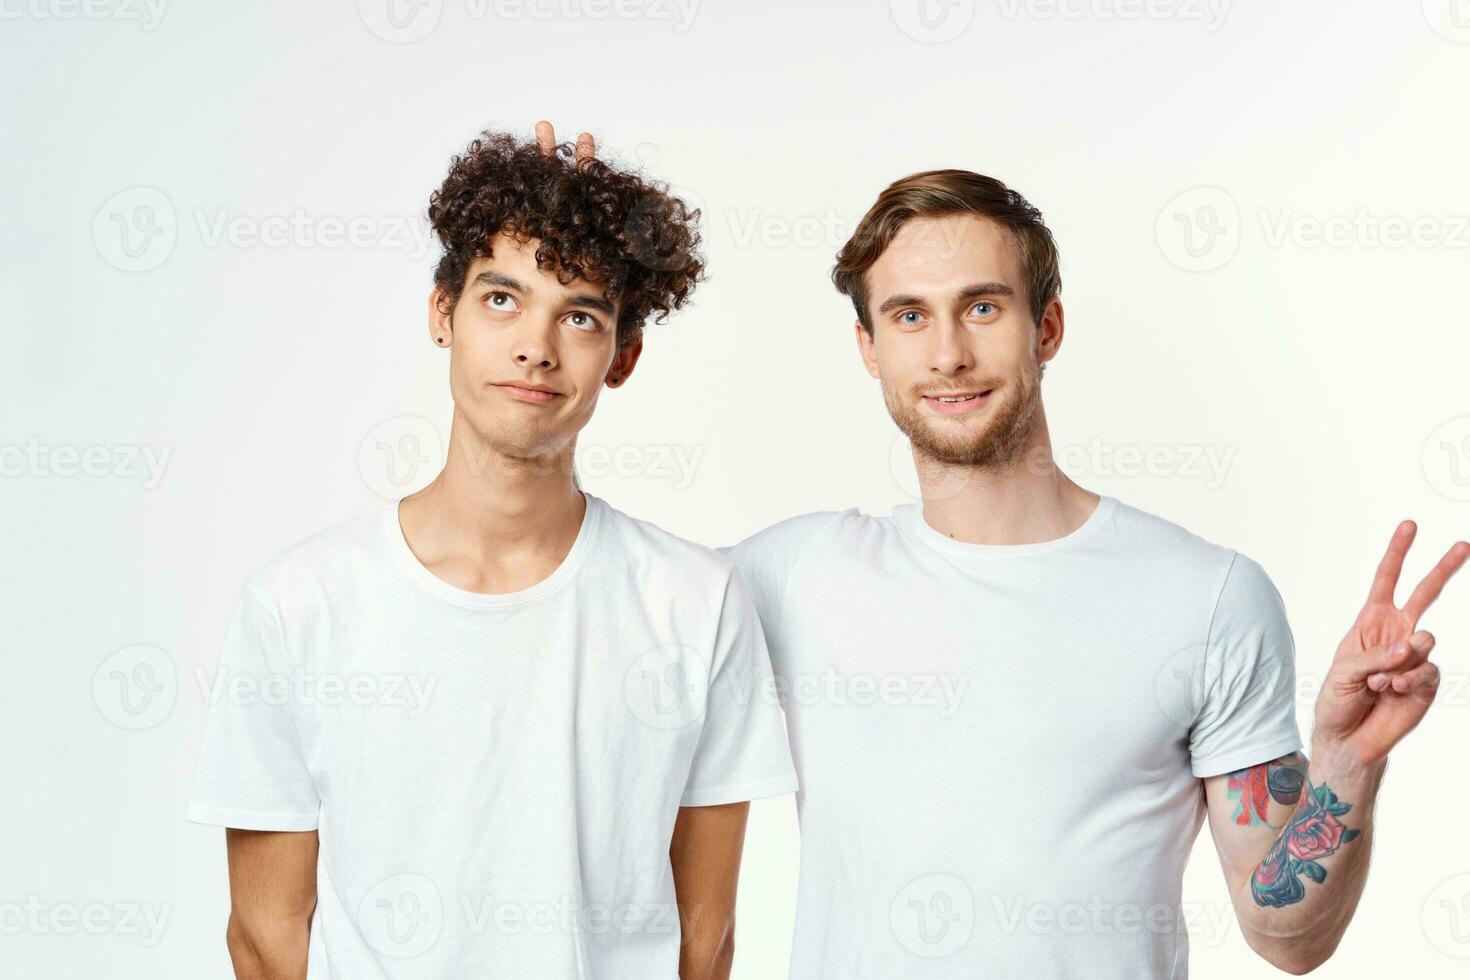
1263	221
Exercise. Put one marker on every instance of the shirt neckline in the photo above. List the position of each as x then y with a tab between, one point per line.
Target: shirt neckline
415	569
909	518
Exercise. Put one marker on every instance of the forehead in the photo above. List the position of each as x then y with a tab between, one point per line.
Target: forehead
513	257
941	255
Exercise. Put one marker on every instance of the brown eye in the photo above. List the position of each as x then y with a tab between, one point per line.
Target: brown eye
583	321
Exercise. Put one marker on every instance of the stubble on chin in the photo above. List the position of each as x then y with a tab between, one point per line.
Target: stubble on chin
998	444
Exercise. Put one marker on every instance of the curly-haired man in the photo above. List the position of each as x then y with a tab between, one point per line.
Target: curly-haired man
498	728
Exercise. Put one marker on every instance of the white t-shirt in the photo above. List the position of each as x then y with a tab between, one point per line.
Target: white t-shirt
494	778
1000	747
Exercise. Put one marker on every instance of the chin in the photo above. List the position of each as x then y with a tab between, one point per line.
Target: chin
963	450
508	439
996	439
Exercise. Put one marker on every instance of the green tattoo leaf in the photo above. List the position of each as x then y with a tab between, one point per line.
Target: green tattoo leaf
1313	833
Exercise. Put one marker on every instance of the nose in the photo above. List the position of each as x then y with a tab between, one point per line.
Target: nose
948	355
533	348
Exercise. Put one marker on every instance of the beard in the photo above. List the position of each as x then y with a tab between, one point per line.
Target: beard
997	443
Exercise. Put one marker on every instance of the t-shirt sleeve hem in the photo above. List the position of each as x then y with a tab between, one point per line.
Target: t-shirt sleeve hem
224	816
757	789
1242	758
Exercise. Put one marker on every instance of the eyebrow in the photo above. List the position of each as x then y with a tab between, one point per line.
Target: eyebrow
971	291
491	278
596	302
488	278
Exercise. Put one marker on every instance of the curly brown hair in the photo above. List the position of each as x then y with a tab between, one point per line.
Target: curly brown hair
612	228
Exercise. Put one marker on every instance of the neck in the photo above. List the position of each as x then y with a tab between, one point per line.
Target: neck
1024	502
491	521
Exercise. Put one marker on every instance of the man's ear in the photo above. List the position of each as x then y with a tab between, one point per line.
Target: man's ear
441	324
1049	331
865	347
624	361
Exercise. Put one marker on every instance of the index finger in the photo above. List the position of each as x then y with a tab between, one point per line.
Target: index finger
1386	579
586	147
1429	589
546	137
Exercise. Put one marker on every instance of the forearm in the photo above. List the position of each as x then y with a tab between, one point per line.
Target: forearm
272	900
268	950
1297	904
707	950
705	858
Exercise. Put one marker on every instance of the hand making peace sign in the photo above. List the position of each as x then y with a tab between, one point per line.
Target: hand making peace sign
1381	682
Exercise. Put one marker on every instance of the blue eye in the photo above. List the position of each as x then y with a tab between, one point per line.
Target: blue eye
985	309
910	317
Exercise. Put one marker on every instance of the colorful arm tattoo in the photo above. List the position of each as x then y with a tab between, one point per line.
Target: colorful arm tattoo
1280	780
1313	833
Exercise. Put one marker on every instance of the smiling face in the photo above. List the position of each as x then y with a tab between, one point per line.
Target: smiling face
954	342
529	354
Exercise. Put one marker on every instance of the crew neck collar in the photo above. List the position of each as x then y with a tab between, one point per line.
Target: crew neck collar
909	518
415	569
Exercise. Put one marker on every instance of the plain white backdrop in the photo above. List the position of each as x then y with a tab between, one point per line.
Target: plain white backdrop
213	276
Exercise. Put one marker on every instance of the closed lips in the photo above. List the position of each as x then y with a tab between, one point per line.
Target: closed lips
529	393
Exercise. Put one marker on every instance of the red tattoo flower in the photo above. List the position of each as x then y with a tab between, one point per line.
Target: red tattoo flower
1253	793
1316	836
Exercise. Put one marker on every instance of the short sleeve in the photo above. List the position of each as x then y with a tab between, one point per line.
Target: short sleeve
1249	710
252	773
768	559
742	753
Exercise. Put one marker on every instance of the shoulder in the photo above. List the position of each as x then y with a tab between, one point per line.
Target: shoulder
768	559
652	550
310	565
1173	546
1234	583
786	540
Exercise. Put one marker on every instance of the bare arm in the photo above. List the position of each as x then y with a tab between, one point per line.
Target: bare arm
272	897
1294	837
705	854
1294	840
